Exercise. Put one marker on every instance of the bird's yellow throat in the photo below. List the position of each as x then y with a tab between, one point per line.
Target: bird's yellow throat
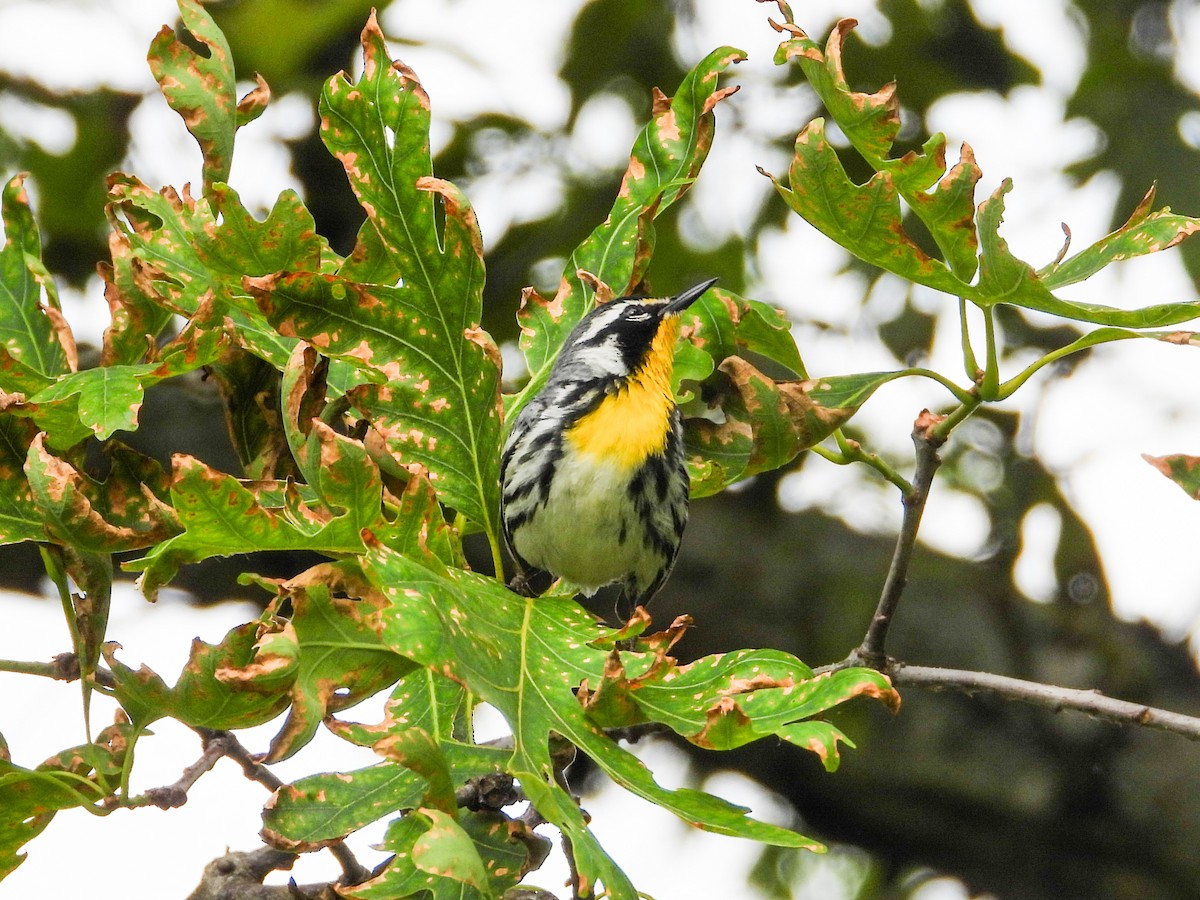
632	423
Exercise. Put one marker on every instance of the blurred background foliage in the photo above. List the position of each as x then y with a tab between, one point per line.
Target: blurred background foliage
1014	801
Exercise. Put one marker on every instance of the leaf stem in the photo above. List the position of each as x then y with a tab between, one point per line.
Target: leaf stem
990	385
1100	336
52	560
497	555
127	761
57	574
961	395
952	420
852	451
970	363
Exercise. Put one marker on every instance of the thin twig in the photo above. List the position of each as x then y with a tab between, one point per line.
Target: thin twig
175	795
927	441
236	750
572	868
1092	702
353	872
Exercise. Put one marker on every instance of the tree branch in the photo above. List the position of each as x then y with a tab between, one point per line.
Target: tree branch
927	440
236	750
174	795
239	876
1092	702
64	667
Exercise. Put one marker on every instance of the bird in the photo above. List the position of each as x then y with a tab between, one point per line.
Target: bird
594	482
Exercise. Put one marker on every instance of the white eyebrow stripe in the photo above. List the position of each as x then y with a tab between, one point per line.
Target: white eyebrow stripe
599	321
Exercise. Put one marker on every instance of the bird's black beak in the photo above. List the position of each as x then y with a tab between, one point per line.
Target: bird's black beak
680	302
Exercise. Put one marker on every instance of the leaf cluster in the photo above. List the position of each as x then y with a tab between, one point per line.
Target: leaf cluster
365	402
375	444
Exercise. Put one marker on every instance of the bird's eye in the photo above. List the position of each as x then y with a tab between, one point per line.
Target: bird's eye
637	315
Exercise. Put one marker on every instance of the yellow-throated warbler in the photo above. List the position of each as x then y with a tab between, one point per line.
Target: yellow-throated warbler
595	487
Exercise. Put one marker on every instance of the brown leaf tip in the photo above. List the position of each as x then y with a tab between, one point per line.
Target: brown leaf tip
889	696
660	102
604	293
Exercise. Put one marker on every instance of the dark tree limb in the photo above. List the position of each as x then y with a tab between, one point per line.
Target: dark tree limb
239	876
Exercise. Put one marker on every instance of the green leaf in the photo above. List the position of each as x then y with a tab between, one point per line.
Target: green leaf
222	686
1182	469
871	123
475	857
18	379
29	335
28	801
508	847
419	845
242	245
341	657
378	128
665	160
408	301
101	401
105	400
20	518
447	851
1144	232
319	809
223	516
439	408
764	423
866	220
416	749
722	324
526	657
172	252
201	88
948	210
422	699
724	701
122	513
401	878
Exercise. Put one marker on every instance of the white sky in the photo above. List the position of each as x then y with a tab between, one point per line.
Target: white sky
1130	398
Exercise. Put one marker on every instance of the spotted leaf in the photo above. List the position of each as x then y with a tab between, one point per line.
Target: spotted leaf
666	158
867	221
31	330
201	88
231	684
528	659
433	398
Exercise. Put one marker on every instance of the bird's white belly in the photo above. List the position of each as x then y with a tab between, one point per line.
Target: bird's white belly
577	535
